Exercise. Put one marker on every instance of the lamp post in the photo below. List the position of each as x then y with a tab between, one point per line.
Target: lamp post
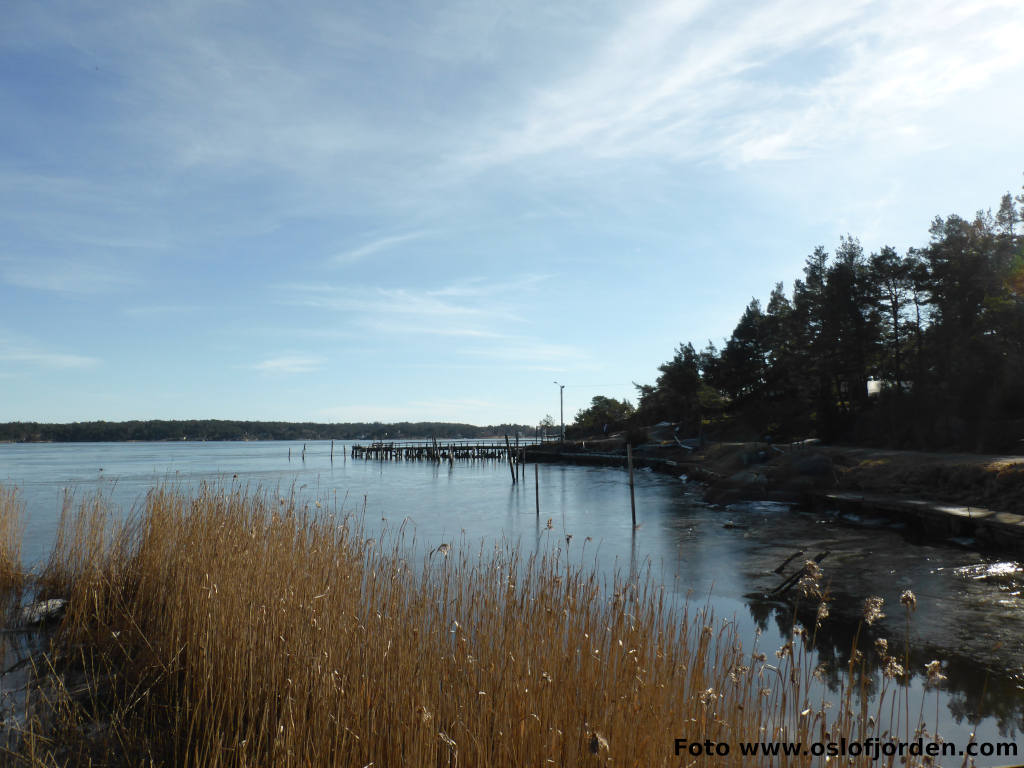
561	412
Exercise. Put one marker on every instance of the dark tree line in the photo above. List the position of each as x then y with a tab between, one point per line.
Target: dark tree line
923	349
215	429
601	415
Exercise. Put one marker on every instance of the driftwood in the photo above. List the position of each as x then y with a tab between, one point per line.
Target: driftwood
790	582
42	611
787	561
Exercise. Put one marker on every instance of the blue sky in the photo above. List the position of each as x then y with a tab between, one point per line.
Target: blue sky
431	211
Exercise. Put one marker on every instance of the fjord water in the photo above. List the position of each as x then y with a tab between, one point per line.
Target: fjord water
970	610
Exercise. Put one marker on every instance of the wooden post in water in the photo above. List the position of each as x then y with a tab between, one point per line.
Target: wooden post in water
511	467
536	487
289	453
332	451
632	498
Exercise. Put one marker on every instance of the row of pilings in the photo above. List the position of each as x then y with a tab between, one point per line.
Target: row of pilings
434	450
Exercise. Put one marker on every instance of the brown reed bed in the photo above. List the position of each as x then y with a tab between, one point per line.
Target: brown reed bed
239	629
10	541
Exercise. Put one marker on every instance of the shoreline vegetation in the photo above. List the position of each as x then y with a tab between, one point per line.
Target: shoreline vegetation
235	629
922	350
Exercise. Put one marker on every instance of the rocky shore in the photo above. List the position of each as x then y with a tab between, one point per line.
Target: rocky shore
969	499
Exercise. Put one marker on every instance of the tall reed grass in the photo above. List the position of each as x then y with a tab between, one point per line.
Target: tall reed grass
239	629
10	541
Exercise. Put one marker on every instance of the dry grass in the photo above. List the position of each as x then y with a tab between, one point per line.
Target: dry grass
10	541
235	629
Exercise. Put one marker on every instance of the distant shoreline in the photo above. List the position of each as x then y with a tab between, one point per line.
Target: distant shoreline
403	438
229	430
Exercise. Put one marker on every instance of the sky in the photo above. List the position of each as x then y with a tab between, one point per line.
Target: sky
379	211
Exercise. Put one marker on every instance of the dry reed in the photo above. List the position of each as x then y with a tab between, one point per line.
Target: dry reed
238	629
11	574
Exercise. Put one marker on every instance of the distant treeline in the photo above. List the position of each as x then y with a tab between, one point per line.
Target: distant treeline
216	429
919	350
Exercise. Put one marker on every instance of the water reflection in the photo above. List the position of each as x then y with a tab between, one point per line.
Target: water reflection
970	694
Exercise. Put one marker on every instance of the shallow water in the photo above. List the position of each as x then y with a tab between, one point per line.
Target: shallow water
970	612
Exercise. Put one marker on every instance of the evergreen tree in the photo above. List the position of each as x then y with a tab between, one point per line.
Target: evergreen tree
944	326
675	396
603	414
892	277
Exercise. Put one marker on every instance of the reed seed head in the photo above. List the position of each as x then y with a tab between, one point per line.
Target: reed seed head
873	610
908	600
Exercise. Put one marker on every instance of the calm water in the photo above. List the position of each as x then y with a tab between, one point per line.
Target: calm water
970	610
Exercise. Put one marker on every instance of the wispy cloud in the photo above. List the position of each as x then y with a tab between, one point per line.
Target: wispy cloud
525	350
385	325
479	313
64	275
486	319
85	218
690	80
49	359
377	246
30	353
160	310
476	299
380	301
457	302
290	364
295	114
477	287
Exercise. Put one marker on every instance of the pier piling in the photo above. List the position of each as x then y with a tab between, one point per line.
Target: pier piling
632	497
433	450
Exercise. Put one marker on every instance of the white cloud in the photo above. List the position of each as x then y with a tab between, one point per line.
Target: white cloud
525	350
160	310
64	275
100	220
297	114
477	312
384	325
31	353
699	81
377	246
381	301
461	302
478	287
290	364
48	359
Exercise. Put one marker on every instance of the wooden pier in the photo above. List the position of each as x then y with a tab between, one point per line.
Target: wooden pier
437	451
